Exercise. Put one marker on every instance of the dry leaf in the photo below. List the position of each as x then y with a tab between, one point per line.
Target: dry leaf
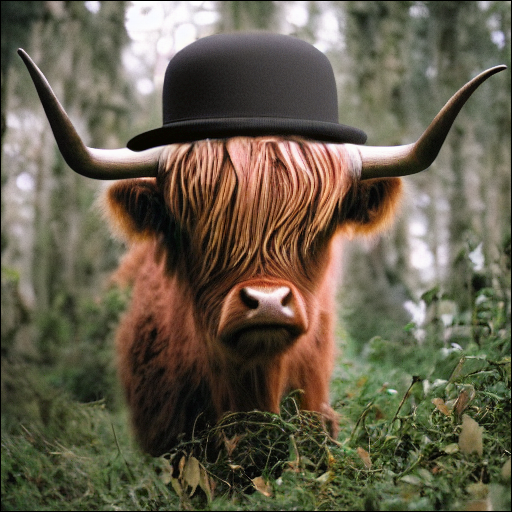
231	444
365	457
204	483
379	415
191	474
330	458
166	475
262	486
181	465
441	406
465	396
437	469
451	448
505	470
325	477
293	466
470	439
177	486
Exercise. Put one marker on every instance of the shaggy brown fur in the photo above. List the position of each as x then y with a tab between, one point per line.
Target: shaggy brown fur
221	213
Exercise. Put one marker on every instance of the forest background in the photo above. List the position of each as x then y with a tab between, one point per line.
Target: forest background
396	64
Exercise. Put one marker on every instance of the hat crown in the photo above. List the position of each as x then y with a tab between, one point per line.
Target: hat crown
250	75
256	84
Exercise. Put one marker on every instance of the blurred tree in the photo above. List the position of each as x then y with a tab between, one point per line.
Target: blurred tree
79	50
377	38
249	15
455	27
16	21
405	60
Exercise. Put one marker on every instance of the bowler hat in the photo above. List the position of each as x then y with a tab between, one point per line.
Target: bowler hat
249	84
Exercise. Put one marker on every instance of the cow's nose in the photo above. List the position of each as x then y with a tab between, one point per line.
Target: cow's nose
275	302
258	309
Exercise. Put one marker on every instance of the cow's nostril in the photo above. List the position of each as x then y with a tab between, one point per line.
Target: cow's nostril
287	298
249	298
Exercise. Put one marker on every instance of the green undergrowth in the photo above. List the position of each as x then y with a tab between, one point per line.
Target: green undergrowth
424	425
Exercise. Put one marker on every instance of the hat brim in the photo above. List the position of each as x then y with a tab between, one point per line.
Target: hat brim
222	128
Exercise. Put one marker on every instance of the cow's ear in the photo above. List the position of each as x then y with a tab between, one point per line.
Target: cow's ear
371	205
136	208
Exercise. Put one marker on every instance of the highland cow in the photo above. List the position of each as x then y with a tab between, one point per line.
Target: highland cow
234	271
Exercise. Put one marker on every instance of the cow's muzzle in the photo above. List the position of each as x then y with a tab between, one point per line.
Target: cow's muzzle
261	318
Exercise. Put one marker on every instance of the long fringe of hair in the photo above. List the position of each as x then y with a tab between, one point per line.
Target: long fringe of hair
255	203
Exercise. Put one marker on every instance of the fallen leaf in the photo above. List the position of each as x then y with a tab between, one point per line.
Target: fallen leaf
365	457
166	475
325	477
262	486
191	474
465	396
505	470
451	448
204	483
231	444
470	438
441	406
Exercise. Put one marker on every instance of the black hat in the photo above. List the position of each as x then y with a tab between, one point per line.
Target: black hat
253	84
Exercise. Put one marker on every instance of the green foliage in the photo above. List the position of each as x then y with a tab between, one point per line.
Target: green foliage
15	313
410	400
413	442
87	464
86	367
398	449
75	344
55	329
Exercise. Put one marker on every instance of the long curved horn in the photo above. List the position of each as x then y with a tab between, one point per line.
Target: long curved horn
102	164
387	162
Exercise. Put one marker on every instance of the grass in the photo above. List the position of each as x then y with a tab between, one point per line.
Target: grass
400	446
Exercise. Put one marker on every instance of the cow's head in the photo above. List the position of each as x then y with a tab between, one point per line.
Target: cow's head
245	223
